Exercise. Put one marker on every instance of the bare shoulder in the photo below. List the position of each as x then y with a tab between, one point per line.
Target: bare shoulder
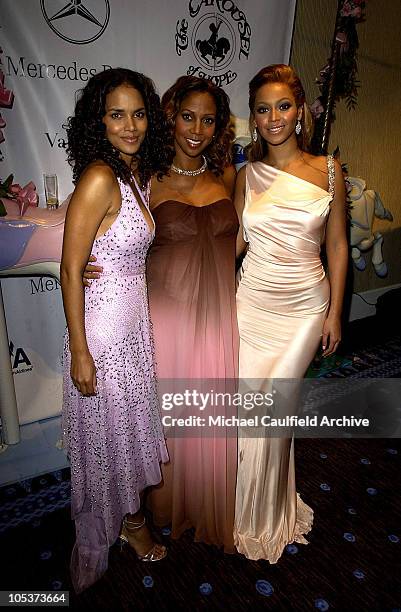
99	175
318	162
96	188
230	173
229	177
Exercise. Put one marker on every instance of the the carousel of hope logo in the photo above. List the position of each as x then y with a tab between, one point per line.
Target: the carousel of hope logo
218	34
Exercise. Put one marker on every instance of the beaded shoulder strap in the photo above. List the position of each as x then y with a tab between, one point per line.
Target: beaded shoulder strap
332	174
147	193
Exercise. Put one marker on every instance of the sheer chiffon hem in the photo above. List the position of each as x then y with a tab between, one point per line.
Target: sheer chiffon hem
87	566
203	535
264	547
89	558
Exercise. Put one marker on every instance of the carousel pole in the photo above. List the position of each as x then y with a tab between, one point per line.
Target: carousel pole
321	141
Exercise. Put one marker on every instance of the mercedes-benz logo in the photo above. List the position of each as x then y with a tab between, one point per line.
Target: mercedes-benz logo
77	21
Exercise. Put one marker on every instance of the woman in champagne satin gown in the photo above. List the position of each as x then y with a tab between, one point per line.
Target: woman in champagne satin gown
191	284
289	200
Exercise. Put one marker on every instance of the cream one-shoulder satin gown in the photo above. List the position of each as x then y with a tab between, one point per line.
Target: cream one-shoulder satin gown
282	300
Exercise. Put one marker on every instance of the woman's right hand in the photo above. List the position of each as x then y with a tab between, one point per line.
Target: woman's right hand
83	373
91	272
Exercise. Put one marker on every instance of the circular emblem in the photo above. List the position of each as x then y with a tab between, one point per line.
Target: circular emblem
216	43
77	21
213	41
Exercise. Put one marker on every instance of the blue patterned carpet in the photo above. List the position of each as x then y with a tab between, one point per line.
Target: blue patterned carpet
353	561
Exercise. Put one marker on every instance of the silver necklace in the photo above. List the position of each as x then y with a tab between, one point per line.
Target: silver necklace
184	172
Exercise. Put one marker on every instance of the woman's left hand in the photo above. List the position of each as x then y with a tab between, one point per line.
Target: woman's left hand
331	335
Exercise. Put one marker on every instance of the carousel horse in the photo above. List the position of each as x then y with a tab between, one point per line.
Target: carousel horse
214	46
365	205
29	245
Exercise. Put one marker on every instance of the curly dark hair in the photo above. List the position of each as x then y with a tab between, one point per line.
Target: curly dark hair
218	153
86	130
279	73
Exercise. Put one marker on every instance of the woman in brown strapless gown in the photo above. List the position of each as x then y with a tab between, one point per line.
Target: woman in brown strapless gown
191	283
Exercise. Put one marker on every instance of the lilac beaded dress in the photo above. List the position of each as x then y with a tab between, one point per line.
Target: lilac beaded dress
114	439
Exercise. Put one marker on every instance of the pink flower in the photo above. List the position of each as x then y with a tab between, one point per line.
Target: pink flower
27	196
6	100
6	95
356	12
351	8
346	10
29	193
15	189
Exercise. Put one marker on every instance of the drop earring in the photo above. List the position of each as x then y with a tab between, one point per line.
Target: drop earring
298	128
254	134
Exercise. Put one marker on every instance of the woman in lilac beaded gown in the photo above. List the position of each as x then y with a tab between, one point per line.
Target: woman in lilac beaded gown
111	416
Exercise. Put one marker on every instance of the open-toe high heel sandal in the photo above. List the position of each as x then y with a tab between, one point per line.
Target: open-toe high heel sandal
156	553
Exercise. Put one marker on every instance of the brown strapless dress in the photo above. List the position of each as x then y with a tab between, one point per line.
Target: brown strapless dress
191	284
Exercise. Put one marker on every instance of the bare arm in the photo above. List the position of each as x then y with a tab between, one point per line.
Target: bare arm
239	201
91	201
337	257
229	177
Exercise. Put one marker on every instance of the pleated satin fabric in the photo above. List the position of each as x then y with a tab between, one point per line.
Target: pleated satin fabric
191	284
282	301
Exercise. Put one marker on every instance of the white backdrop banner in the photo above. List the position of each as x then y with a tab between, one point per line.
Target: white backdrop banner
50	48
36	323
